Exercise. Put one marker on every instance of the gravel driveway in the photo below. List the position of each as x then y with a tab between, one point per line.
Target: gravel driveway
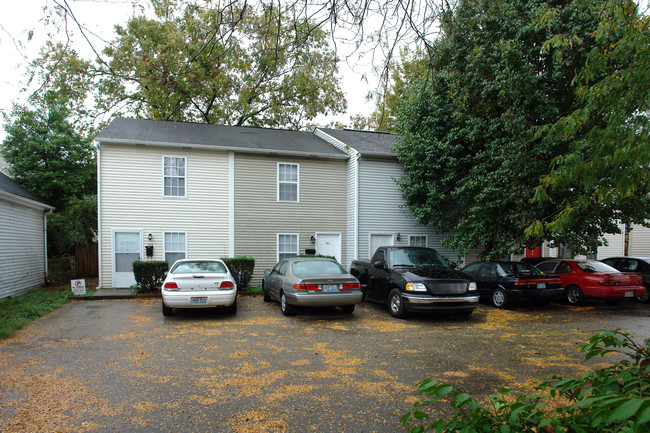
120	366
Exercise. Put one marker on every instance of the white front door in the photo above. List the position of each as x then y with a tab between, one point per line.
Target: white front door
127	248
379	240
329	244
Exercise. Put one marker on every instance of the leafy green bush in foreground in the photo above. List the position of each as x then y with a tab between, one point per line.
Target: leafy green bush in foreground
612	399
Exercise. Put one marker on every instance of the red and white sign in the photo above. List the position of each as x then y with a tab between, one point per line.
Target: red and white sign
78	287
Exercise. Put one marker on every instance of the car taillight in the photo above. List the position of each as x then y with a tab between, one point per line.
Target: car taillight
227	285
170	286
350	286
304	286
608	282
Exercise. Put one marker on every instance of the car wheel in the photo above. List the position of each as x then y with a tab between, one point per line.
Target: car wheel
574	295
645	298
232	309
348	309
499	298
286	309
267	297
167	311
396	304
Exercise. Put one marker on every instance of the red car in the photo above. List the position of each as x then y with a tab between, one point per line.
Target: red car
592	279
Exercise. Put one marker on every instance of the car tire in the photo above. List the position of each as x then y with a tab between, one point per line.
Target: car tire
499	298
348	309
167	311
645	298
232	308
285	307
574	295
267	297
396	304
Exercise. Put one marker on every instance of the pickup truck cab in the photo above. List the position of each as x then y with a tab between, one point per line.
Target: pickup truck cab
415	279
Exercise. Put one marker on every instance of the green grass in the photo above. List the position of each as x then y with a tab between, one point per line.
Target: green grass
18	311
253	289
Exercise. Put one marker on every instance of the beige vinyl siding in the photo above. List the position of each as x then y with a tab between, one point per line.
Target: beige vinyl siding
22	248
131	197
259	217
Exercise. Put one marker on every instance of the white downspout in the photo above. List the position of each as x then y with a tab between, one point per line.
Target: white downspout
99	218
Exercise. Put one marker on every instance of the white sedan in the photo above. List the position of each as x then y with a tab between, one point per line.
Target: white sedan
198	283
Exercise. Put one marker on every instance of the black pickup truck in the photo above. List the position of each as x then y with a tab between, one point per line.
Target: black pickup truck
415	279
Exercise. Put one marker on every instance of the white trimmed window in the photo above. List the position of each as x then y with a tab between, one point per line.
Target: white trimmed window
175	246
174	180
288	175
287	246
418	240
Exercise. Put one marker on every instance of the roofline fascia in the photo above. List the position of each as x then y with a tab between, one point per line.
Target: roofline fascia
222	148
25	201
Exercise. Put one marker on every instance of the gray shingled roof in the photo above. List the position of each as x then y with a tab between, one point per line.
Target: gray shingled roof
8	185
245	139
365	142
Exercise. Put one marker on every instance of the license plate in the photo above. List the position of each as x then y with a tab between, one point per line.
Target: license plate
629	294
541	285
330	287
199	301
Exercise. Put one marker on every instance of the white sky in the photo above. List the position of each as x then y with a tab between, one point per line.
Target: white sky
19	17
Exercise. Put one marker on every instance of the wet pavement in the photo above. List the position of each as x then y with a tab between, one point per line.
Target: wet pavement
120	366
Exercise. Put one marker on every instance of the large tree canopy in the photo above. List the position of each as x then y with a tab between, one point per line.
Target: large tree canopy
236	65
484	127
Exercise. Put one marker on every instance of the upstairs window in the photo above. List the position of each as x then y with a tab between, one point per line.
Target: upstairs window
174	181
288	182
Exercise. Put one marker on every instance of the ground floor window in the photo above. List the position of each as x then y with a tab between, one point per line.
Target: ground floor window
287	245
175	247
418	240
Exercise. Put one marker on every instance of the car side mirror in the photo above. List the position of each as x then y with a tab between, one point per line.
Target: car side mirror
267	272
453	265
166	273
379	265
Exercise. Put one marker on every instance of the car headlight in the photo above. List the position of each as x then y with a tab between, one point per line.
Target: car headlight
416	287
472	286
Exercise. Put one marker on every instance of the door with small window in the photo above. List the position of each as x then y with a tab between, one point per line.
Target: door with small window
127	248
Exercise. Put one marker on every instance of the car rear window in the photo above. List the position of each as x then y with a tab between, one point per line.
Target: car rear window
317	267
198	266
593	267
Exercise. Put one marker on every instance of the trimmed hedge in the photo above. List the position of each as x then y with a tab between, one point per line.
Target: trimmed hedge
241	268
149	275
317	255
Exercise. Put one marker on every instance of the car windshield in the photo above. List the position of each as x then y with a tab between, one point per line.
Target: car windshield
317	267
594	267
512	268
198	266
415	257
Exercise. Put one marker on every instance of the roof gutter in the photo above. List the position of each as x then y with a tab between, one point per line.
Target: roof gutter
25	201
222	148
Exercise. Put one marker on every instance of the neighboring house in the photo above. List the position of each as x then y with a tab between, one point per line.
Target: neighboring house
170	190
638	240
376	214
23	241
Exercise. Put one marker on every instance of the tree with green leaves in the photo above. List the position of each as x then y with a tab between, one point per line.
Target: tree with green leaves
52	156
237	65
481	131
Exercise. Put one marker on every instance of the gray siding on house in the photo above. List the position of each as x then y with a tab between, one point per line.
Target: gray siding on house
131	197
639	241
259	217
22	247
381	211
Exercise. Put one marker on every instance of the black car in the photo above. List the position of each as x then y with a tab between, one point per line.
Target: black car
503	283
640	265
